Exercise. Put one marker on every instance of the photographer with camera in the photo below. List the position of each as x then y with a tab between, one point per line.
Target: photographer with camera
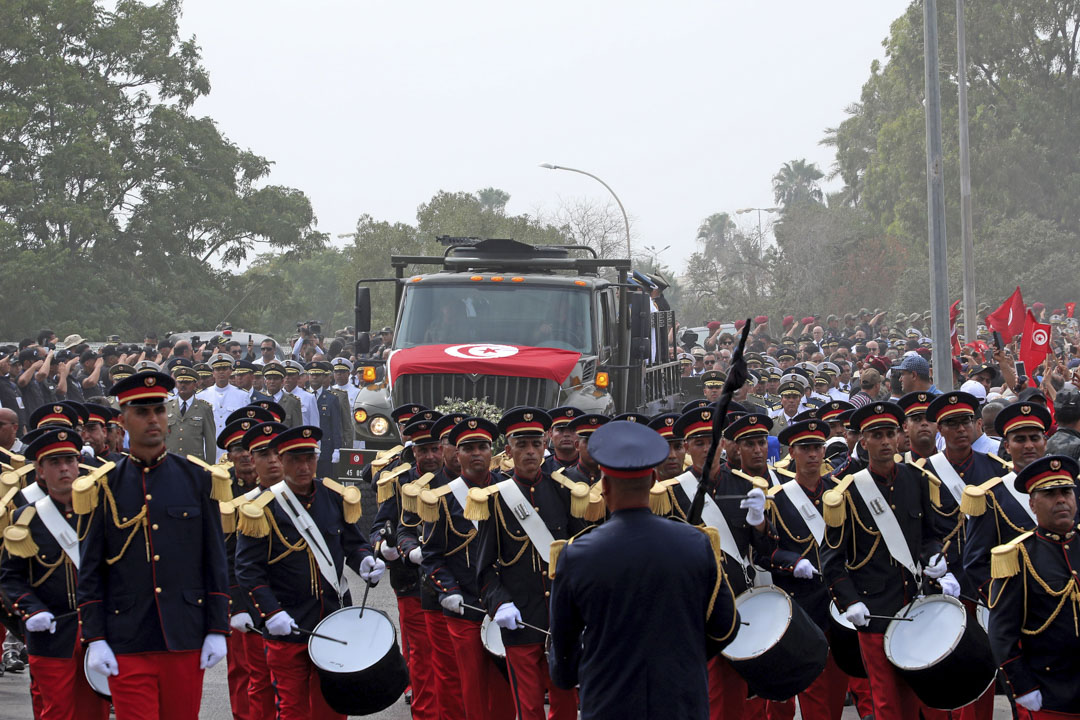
309	342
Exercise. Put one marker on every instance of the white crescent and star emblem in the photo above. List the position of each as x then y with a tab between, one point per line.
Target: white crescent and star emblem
481	351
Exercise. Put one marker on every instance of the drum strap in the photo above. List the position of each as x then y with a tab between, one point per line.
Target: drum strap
947	473
311	533
773	480
253	493
1021	500
460	491
713	517
530	520
32	493
885	520
57	526
807	511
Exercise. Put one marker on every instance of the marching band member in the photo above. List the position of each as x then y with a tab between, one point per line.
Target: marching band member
564	440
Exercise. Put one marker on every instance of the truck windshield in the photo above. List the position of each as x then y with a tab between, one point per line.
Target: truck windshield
538	316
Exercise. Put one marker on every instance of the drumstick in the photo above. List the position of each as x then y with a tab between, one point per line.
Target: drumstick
302	631
890	617
531	627
363	603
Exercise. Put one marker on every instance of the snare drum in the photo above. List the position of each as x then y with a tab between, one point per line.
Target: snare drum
942	655
366	675
491	637
844	643
781	652
99	682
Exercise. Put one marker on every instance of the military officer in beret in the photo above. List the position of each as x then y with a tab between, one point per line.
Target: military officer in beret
887	561
521	517
273	380
153	584
600	579
302	586
450	555
192	430
38	570
564	440
1033	631
222	397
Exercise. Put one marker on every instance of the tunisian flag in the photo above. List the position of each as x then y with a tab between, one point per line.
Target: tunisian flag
1009	318
484	359
953	312
1035	346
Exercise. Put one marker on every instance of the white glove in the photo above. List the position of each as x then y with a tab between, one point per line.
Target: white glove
335	456
213	651
1032	701
280	624
804	569
936	568
416	556
754	505
453	603
240	622
949	585
389	552
858	615
88	452
41	622
508	617
99	656
371	570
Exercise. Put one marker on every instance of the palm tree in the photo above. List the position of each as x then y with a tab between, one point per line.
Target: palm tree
715	234
797	183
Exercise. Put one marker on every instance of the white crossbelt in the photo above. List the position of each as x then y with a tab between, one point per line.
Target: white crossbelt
712	516
530	520
32	493
311	533
807	511
460	491
947	473
1020	498
58	527
885	520
773	480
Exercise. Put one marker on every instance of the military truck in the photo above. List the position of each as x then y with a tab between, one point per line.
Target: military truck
514	324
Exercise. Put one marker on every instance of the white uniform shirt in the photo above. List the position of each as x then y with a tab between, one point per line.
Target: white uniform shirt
224	401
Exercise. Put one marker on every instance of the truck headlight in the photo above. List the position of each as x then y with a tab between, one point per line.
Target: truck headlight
379	426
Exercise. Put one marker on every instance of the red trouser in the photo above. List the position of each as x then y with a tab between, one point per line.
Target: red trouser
239	676
823	700
262	699
297	681
864	699
981	709
727	690
443	662
484	690
755	709
529	678
69	696
416	648
157	686
893	697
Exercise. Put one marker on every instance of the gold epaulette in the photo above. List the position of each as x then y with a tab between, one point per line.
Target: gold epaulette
6	508
935	482
228	517
476	505
84	491
579	493
660	496
973	499
759	483
350	499
15	460
687	462
772	492
782	462
410	492
597	509
826	468
784	471
386	485
1004	559
428	508
385	457
220	480
553	556
502	462
1004	463
834	502
252	519
14	478
18	540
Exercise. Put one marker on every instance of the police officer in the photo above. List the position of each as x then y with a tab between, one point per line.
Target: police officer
153	587
301	587
38	572
601	579
342	368
191	419
450	555
1033	630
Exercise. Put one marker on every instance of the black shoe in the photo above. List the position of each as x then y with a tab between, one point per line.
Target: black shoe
13	662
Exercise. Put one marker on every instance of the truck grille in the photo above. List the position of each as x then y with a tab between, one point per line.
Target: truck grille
502	391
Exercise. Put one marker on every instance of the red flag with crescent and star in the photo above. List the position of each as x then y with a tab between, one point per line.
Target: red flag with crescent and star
484	359
1035	346
1009	318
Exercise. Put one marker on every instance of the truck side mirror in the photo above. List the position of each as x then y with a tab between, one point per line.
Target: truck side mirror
640	327
362	320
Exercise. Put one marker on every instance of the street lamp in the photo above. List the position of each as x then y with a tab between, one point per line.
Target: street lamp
626	220
759	211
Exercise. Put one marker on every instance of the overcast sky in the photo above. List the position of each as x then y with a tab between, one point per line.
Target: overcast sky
684	108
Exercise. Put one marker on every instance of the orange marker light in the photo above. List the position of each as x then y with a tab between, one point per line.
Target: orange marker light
369	374
476	278
360	416
602	380
517	279
497	278
580	282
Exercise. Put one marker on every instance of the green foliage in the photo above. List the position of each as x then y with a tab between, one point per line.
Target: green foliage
797	184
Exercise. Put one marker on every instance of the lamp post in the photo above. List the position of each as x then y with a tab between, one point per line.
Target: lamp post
626	220
760	234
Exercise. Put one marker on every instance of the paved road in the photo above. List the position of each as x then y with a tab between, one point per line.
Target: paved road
15	689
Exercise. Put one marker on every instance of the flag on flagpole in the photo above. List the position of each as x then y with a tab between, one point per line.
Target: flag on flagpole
1009	318
953	312
1035	346
1070	308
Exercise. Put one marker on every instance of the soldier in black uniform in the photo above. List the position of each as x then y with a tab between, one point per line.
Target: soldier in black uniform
298	589
1033	627
564	441
153	582
38	572
585	469
601	579
521	518
450	554
882	583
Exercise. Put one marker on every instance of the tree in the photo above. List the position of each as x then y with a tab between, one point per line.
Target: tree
586	222
493	199
796	184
